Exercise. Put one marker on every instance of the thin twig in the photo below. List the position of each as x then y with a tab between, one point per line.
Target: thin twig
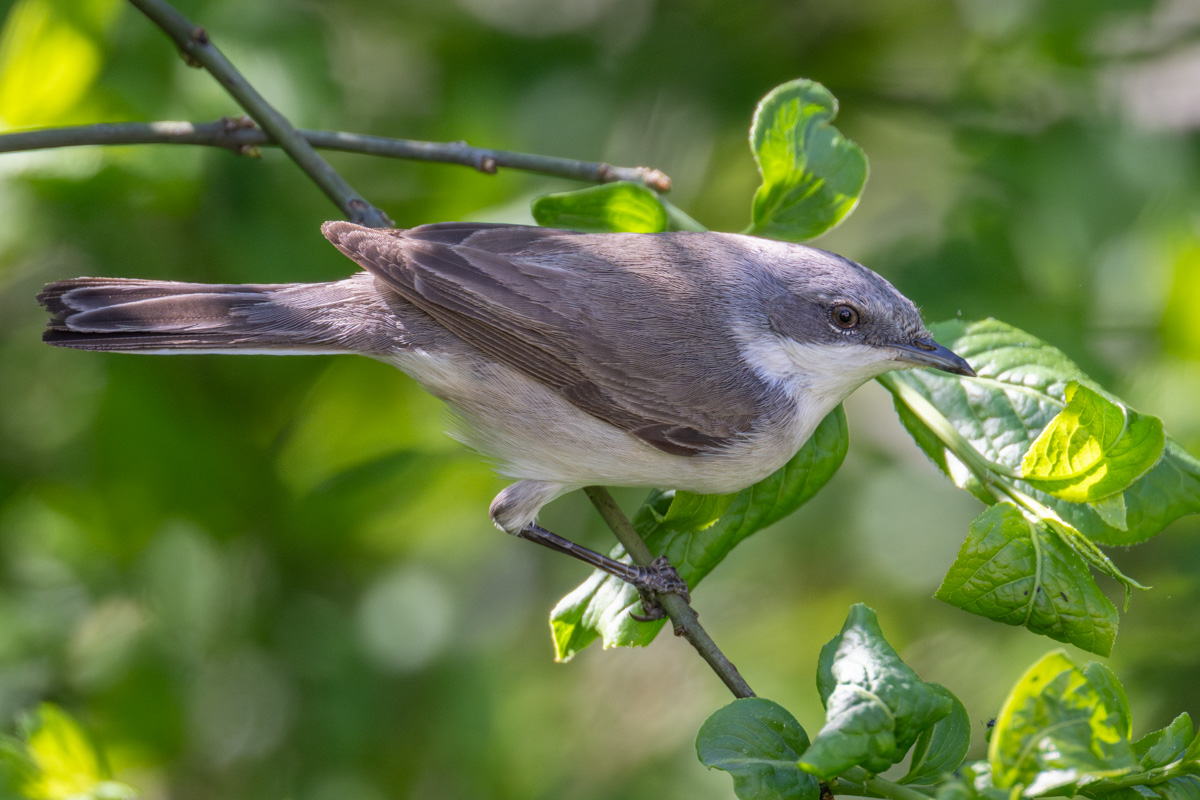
193	41
242	136
682	615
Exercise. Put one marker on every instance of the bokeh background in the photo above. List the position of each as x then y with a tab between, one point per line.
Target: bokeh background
263	577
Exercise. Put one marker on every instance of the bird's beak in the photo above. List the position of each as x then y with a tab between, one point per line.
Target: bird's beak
928	353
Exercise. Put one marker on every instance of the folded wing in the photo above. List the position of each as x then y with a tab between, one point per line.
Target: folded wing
587	316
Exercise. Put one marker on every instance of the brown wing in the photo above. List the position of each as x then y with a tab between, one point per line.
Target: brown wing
547	303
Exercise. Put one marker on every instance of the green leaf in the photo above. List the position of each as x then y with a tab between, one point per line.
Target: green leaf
971	782
17	770
1193	750
695	532
1021	388
1093	449
1013	571
697	511
1183	787
49	58
875	705
1164	745
956	788
758	743
66	760
56	761
1180	787
1055	730
1099	792
1112	692
1092	555
812	176
1078	439
941	749
609	207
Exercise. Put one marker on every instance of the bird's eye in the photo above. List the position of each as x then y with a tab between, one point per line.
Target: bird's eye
845	317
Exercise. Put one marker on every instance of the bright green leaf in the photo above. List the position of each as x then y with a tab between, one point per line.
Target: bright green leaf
1021	388
1112	692
940	749
758	743
1055	730
1093	449
693	541
1077	439
56	761
1164	745
875	705
49	58
812	176
1013	571
67	763
609	207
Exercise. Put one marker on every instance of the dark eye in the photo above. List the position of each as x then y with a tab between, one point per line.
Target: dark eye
844	316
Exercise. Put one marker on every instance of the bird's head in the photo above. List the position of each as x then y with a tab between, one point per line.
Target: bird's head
837	324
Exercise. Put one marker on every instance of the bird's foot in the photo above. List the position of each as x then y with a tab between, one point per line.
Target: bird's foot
657	578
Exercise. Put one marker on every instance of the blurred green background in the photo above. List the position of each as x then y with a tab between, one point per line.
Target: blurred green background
275	578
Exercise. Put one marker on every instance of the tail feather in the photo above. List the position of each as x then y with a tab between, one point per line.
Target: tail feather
130	315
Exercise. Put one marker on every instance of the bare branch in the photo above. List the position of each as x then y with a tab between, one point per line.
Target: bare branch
193	41
241	135
682	615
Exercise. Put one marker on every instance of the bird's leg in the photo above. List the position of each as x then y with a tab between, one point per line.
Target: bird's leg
514	510
658	577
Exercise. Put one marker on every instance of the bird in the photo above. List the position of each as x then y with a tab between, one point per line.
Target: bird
697	361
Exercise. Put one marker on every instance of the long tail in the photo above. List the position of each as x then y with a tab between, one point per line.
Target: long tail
129	315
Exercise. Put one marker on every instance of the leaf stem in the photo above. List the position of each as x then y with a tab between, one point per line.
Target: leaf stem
865	784
985	469
199	50
679	219
682	615
241	135
1150	777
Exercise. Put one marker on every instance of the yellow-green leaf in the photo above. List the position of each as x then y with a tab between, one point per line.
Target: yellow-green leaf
49	58
55	760
1093	449
812	175
1078	438
1057	729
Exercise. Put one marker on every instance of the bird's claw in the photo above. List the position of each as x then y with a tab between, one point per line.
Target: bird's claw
658	578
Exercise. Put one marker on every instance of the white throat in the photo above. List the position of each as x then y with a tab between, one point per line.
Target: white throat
821	374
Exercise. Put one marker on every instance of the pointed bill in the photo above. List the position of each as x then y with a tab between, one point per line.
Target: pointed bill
928	353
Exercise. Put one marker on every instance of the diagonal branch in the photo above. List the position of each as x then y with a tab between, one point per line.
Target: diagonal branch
193	41
241	135
687	624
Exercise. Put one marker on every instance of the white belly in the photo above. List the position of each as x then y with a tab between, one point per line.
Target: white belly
531	433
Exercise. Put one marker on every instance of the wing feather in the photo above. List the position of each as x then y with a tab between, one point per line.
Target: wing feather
543	302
